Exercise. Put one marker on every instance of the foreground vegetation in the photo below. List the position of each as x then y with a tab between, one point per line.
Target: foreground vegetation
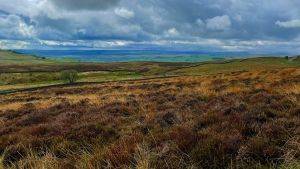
244	119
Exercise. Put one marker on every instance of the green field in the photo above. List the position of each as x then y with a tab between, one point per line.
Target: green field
19	71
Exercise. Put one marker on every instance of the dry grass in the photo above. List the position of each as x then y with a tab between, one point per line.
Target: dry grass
234	120
10	106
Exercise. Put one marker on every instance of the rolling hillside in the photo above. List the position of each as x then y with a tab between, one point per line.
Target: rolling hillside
244	119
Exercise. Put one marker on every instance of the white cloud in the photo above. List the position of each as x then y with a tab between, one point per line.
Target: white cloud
172	32
109	44
289	24
85	43
200	22
59	43
14	26
26	30
12	44
218	23
124	13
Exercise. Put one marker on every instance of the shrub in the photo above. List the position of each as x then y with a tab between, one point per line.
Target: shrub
69	76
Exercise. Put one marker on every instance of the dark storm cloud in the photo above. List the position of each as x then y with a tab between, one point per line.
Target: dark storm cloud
85	4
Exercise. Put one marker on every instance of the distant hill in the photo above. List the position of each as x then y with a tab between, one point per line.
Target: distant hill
8	57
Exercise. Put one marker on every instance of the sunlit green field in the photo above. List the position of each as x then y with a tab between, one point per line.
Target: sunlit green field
10	81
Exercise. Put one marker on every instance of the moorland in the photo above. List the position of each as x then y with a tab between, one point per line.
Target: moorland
241	113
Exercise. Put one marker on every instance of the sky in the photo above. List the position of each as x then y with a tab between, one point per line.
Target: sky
261	26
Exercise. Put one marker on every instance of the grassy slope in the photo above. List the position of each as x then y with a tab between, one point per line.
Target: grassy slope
238	65
12	58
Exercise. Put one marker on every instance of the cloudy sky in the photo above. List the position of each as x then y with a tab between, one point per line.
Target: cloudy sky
263	26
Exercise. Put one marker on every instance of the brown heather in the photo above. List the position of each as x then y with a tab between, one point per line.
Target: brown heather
235	120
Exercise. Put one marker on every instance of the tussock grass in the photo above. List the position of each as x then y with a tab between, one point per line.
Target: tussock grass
246	119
